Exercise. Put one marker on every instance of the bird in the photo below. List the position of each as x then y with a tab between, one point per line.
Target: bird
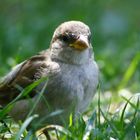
71	78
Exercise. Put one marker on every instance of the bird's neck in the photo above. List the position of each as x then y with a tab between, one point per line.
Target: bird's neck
73	57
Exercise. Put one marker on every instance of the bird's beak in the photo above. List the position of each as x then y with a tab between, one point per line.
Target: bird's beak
81	43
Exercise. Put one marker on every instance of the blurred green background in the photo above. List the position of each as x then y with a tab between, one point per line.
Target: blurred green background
26	27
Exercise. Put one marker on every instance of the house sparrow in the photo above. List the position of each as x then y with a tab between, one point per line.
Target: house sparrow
72	77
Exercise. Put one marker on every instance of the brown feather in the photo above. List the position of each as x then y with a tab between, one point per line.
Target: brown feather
22	75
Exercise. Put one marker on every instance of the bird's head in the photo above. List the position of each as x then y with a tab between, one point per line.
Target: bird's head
71	43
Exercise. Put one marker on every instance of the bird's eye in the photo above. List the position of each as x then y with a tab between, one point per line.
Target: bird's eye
65	38
68	37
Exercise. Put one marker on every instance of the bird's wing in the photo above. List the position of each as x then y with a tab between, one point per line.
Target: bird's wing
22	75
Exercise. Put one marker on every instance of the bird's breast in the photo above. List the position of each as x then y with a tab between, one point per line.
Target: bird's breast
72	85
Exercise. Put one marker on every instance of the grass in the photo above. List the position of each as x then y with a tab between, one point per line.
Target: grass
102	123
107	118
110	116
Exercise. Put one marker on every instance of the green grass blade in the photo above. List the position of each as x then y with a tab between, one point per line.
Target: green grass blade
130	71
132	104
24	93
111	125
24	126
38	99
123	111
